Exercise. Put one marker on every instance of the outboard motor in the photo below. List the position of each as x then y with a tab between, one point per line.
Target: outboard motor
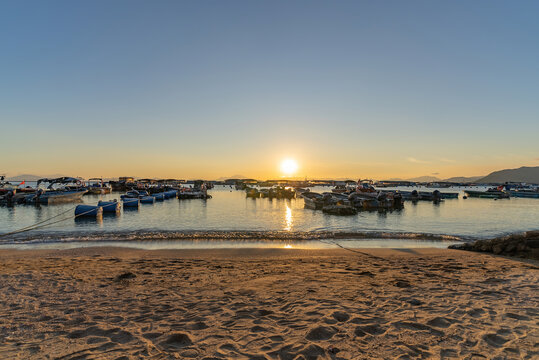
9	198
38	195
397	200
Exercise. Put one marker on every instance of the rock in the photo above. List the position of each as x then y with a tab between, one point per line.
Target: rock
511	247
534	244
524	245
497	249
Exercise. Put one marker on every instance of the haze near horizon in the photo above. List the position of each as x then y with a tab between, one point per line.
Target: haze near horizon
204	90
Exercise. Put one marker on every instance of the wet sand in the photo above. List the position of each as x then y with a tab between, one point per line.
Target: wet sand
117	303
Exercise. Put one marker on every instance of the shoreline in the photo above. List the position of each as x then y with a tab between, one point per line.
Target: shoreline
267	304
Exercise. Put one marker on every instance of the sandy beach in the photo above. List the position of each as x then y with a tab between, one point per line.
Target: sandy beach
116	303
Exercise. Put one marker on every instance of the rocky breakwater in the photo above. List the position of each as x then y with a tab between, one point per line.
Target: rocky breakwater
525	245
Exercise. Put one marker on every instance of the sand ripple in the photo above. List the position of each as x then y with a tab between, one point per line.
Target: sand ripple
266	304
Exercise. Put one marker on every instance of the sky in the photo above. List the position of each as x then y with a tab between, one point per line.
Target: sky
209	89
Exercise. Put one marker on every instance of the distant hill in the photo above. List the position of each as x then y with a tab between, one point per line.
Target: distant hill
232	177
463	179
30	177
456	179
424	179
26	177
523	174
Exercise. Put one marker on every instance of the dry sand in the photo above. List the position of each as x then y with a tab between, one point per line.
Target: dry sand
266	304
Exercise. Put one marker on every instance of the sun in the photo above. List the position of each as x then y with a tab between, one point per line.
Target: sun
289	167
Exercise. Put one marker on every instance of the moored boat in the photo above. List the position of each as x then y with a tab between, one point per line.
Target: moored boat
69	190
492	193
525	193
96	186
109	206
313	200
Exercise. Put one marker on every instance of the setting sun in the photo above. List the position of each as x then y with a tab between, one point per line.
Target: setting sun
289	166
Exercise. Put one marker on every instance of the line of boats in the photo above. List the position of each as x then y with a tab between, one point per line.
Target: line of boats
506	191
69	189
349	198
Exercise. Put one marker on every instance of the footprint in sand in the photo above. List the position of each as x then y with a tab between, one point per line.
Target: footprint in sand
494	340
198	325
341	316
321	333
258	328
516	316
476	313
369	329
176	341
440	322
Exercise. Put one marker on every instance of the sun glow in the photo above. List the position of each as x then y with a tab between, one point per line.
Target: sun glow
289	167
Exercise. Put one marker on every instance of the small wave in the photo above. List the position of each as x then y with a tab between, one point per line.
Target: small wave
151	235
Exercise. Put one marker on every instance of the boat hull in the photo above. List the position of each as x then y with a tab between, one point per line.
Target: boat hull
525	194
57	197
487	194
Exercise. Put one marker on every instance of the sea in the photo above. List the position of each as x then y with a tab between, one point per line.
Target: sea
229	219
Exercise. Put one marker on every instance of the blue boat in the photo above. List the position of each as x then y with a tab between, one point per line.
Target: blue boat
147	200
159	196
109	206
60	190
130	202
88	211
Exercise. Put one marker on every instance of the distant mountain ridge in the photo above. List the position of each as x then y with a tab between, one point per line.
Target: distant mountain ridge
526	174
456	179
30	177
463	179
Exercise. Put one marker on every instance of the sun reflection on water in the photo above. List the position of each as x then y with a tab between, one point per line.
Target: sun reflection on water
288	219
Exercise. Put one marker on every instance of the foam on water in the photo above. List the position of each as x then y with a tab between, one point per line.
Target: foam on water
230	216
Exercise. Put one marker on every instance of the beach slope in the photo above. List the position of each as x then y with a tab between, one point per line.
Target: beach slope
117	303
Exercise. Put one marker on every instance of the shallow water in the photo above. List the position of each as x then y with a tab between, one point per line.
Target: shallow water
230	215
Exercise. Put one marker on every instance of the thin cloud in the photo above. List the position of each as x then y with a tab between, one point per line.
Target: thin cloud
416	161
447	160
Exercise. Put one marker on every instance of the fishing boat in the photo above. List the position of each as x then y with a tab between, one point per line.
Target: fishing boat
281	192
313	200
59	190
252	192
492	193
525	193
365	188
198	191
123	184
96	186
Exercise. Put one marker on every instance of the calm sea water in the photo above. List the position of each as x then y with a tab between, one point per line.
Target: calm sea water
230	215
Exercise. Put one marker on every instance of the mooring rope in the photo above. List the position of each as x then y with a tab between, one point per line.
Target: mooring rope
352	250
38	225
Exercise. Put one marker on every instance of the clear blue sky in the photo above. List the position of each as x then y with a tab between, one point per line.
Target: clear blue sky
216	88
